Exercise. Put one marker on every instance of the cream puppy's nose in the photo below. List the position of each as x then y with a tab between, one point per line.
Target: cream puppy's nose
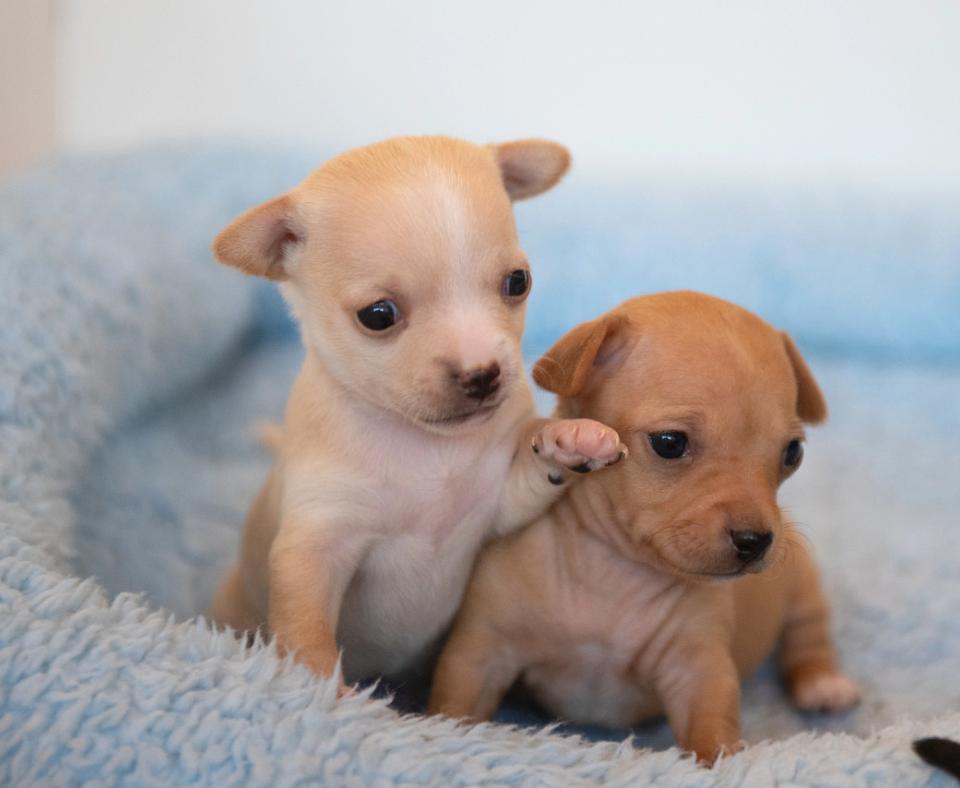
481	382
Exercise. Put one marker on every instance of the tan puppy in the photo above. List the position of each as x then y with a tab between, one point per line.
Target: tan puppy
408	435
641	591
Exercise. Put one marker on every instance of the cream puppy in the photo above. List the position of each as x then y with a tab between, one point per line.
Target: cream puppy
410	436
643	591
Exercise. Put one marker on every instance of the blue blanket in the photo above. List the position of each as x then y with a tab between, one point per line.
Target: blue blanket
132	369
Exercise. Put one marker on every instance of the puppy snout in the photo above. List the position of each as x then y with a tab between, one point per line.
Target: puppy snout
481	382
749	545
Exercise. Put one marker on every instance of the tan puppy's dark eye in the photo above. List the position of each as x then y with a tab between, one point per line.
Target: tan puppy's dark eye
793	454
379	316
670	445
516	283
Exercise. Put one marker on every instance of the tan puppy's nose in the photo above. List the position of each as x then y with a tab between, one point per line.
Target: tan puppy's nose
751	546
481	382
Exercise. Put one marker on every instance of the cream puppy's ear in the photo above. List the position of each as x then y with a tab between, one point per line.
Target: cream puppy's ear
529	167
569	365
811	406
261	241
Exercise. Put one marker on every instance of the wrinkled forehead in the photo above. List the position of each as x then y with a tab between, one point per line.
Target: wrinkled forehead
429	216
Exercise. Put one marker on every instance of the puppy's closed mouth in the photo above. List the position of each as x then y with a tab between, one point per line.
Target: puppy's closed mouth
717	574
730	574
462	417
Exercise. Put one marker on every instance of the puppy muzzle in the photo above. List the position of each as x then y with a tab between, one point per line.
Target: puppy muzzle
480	383
750	546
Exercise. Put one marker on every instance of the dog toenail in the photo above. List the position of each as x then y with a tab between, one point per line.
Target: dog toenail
534	447
617	459
554	478
583	467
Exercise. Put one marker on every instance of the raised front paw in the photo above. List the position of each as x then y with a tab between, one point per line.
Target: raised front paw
578	445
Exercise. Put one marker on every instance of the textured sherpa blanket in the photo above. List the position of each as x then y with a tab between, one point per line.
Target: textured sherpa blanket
132	369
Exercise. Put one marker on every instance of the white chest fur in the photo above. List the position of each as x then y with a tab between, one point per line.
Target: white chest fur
410	583
405	512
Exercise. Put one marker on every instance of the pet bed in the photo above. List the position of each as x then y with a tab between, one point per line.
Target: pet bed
132	369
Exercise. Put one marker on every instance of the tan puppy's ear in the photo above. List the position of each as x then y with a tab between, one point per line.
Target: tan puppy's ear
567	367
811	406
260	241
529	167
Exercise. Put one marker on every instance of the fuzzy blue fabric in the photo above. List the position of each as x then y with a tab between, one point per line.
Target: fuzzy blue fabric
132	369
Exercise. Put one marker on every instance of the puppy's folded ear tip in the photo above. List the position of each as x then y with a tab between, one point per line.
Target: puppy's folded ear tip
256	242
564	161
222	248
559	154
531	166
225	249
569	366
811	404
229	252
541	375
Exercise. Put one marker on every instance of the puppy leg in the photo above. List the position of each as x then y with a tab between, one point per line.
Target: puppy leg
475	670
550	453
700	693
311	565
807	658
230	606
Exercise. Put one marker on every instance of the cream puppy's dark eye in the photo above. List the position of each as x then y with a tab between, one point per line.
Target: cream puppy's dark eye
671	445
516	283
379	316
793	454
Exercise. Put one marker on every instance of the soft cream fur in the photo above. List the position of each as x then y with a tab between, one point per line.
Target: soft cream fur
627	600
388	476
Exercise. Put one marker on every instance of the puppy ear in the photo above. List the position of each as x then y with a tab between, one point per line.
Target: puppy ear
260	241
567	367
811	406
529	167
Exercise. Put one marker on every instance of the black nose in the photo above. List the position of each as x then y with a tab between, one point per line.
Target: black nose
750	545
482	382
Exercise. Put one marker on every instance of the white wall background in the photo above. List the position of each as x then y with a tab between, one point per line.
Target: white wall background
756	89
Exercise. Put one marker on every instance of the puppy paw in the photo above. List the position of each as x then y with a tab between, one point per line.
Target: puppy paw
829	692
709	754
578	445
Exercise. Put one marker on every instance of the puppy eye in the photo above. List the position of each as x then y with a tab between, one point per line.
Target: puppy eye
793	454
379	315
516	283
669	445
